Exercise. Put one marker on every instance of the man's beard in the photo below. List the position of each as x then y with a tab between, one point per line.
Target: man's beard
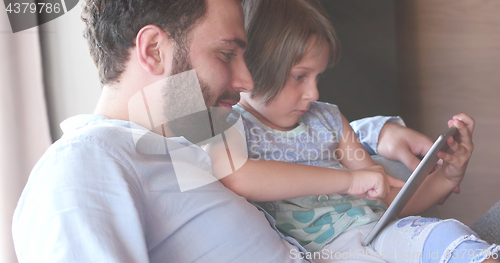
197	126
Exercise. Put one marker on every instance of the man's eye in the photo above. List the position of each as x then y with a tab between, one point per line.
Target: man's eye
228	55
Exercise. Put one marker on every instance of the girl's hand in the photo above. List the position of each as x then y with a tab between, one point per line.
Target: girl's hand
455	163
372	183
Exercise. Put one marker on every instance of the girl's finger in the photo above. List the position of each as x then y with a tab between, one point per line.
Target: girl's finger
394	182
449	158
465	136
467	120
455	146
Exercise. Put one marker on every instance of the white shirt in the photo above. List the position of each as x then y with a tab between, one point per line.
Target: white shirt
100	195
97	197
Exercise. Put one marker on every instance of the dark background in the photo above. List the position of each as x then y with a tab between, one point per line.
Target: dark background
364	81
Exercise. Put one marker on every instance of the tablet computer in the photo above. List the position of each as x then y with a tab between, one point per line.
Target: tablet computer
412	184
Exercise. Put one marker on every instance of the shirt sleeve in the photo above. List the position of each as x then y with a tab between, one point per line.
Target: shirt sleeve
81	204
368	130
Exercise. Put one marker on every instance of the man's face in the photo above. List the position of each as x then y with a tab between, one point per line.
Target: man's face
215	51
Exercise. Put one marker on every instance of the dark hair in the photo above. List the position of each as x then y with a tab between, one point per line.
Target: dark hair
278	32
112	25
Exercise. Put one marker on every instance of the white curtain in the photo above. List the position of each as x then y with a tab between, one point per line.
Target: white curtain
24	126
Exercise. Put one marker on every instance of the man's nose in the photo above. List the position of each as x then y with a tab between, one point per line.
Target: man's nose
242	80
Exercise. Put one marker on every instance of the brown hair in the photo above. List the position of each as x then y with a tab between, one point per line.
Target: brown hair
112	25
278	32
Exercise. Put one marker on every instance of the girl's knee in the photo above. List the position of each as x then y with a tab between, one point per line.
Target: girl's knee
451	241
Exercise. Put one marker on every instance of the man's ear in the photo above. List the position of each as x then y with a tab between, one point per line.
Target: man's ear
153	47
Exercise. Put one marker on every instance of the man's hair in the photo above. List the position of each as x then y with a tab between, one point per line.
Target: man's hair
112	26
278	32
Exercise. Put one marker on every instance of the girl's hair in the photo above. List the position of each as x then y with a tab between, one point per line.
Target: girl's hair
278	32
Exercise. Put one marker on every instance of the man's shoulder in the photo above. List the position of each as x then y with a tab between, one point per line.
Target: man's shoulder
97	132
84	126
88	142
85	158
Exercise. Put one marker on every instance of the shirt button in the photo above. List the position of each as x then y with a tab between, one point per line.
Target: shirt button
270	206
323	198
206	167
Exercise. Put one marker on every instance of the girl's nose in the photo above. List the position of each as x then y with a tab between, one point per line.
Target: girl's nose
311	93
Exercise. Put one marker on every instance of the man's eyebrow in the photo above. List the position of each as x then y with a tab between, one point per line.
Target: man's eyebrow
238	41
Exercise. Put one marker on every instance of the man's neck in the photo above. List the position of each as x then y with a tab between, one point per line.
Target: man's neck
115	105
111	104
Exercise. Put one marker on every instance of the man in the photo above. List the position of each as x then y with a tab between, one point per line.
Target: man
108	190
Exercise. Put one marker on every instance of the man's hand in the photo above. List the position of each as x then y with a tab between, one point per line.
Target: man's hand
399	143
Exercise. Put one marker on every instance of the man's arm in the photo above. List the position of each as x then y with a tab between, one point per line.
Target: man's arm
79	205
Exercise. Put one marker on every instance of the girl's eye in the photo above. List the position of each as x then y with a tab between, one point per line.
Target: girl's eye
299	77
228	55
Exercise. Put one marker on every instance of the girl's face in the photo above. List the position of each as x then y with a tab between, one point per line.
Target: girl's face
300	89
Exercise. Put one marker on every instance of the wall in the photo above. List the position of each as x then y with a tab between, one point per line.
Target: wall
364	82
449	62
70	77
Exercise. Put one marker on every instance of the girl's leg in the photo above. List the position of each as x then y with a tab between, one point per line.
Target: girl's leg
403	240
348	248
429	240
452	242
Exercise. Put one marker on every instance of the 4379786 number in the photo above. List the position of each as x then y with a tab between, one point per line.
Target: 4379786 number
24	8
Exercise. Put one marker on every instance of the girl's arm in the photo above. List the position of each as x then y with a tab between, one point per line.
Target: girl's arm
350	151
353	156
263	180
443	180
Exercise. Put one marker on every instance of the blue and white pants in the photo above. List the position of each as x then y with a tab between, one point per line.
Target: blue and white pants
411	239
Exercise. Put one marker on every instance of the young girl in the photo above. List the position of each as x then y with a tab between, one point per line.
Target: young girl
291	42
